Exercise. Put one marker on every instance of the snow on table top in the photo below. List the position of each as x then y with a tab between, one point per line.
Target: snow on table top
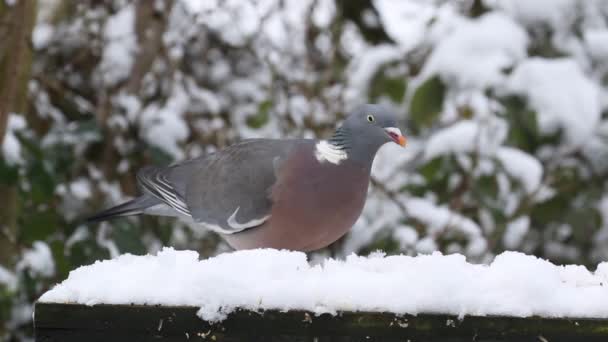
514	284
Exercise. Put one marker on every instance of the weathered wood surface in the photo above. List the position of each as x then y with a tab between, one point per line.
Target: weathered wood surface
71	322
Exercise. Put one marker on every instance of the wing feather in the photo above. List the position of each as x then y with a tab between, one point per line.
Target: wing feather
228	191
154	182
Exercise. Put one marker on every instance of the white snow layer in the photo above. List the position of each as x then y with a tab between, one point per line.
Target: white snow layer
467	136
8	278
474	54
460	137
11	147
42	35
405	21
38	260
120	46
165	127
365	65
438	218
522	166
596	42
553	13
515	232
562	95
514	284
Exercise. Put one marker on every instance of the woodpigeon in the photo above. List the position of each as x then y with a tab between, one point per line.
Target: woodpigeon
297	194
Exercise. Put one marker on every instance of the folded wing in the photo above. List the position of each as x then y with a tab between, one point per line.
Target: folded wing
228	191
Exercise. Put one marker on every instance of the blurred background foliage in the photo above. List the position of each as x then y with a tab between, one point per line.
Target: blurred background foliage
504	103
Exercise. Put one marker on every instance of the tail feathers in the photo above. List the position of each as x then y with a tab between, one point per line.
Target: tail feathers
132	207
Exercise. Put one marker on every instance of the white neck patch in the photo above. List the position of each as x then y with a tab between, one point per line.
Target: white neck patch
325	151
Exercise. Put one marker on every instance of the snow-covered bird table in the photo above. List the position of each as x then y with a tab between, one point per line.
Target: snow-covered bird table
270	295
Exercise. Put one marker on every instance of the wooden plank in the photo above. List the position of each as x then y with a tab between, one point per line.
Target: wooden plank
73	322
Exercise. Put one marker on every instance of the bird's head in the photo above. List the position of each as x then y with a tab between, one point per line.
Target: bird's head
373	125
360	136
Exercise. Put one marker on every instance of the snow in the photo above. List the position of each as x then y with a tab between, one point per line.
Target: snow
406	235
459	137
42	35
81	188
365	65
221	59
466	136
474	54
437	218
8	279
104	240
80	234
522	166
21	314
234	20
426	245
165	127
562	95
238	21
405	21
11	147
38	260
596	42
323	13
196	6
378	214
515	232
120	48
514	284
389	163
553	13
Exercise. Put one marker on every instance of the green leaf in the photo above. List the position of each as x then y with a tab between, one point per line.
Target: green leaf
9	174
394	87
30	146
159	156
431	169
417	190
38	225
162	227
585	221
523	125
62	267
550	211
261	118
85	252
128	238
486	187
61	156
427	102
6	301
41	181
89	126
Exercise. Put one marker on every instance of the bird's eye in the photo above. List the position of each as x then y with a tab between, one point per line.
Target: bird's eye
371	118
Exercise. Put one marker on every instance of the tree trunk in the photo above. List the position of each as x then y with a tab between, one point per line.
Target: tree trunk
17	22
150	23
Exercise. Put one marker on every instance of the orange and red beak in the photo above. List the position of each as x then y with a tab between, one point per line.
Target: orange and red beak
395	134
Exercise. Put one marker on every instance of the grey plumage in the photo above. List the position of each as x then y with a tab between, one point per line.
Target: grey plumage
265	192
133	207
208	191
